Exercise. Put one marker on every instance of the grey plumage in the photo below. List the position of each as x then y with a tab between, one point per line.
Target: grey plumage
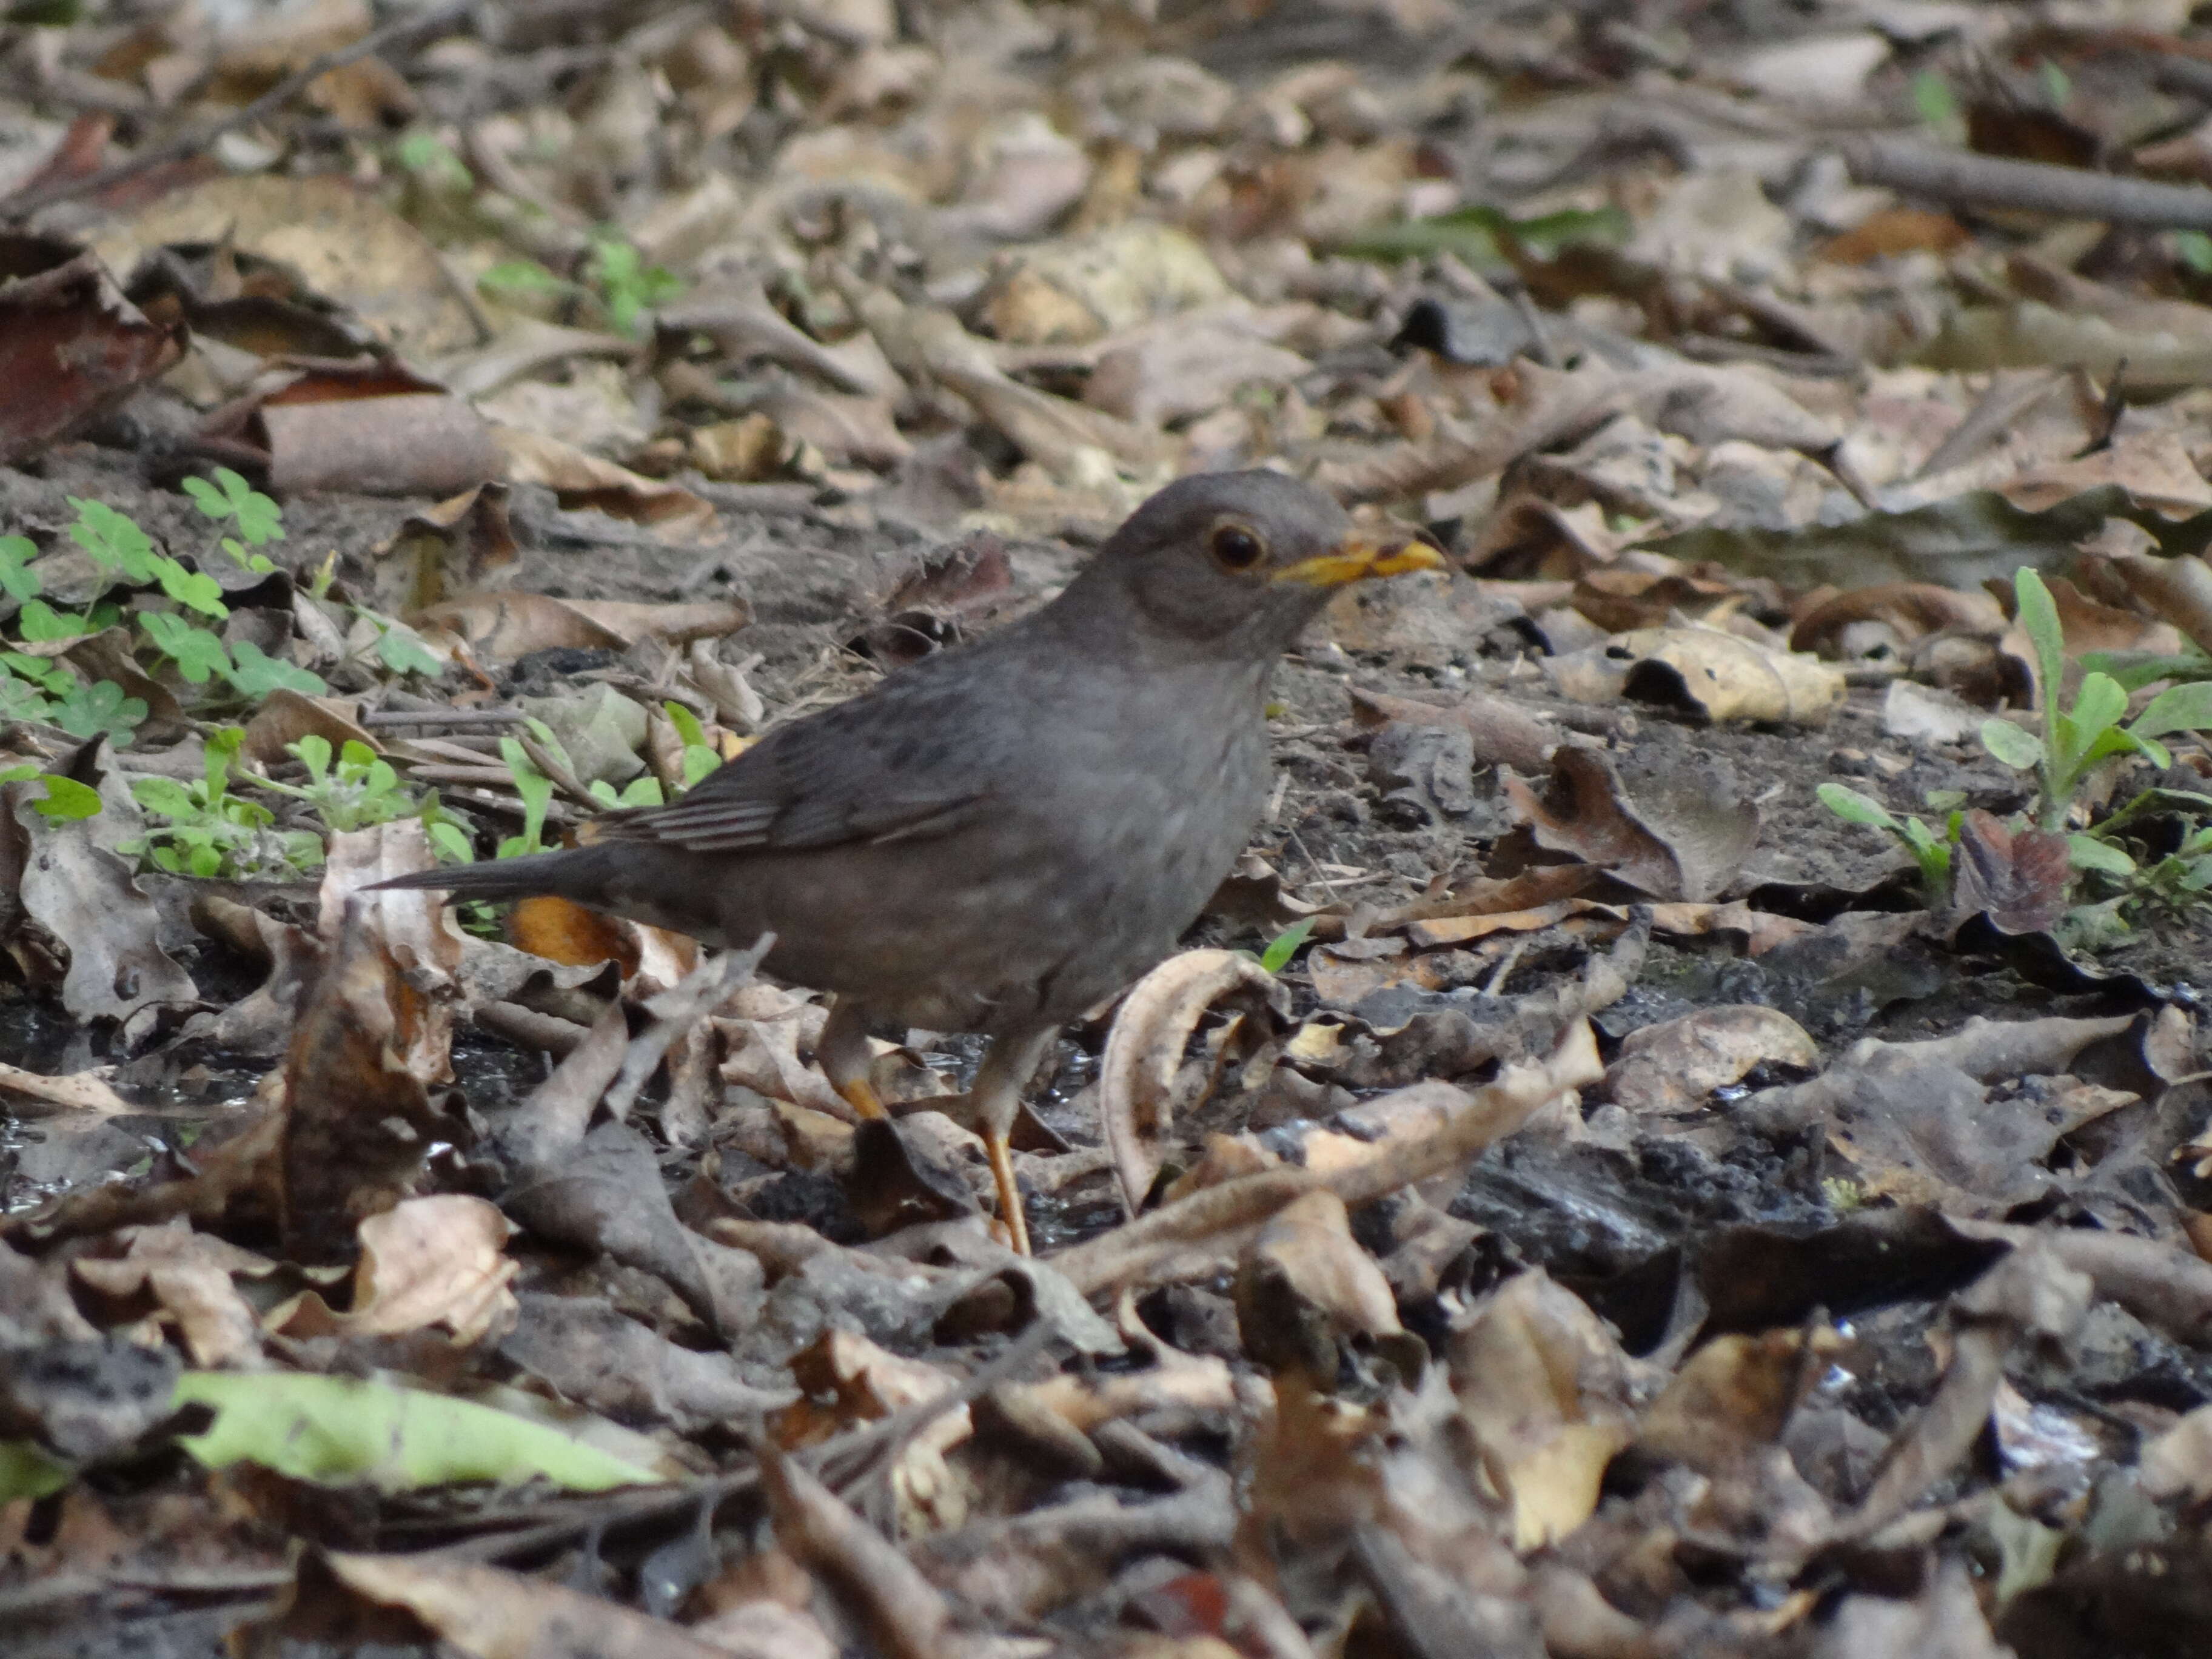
997	838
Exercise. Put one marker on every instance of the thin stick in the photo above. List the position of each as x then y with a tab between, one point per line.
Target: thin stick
444	717
1964	179
199	137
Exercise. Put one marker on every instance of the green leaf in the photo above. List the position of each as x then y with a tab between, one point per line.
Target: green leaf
38	622
39	671
20	700
256	674
17	579
2135	670
200	593
1933	98
627	285
2038	615
258	518
536	791
2117	740
2057	85
402	652
338	1429
2088	853
1852	807
2100	704
313	751
686	724
197	653
26	1471
85	711
1285	944
67	800
2195	249
2014	745
165	797
428	157
453	840
521	277
2177	709
112	540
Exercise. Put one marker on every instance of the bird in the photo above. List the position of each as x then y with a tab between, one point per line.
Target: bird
1002	836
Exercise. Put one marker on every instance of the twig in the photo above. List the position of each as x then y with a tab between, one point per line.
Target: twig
199	137
1964	180
444	717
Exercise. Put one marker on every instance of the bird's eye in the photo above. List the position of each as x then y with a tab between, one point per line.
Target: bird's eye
1236	547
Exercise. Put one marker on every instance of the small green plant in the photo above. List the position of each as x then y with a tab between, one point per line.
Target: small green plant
2183	877
626	285
36	688
205	830
699	756
430	159
1285	945
258	519
1936	105
67	801
1930	851
2076	740
88	708
524	279
643	790
256	673
17	579
399	647
535	790
358	791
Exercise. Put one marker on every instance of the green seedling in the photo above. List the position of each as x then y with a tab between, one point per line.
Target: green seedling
430	159
1285	945
2183	877
699	756
205	830
360	790
21	700
258	519
198	654
536	791
626	286
515	280
1930	851
256	674
399	647
86	710
67	800
2076	740
1933	101
643	791
39	624
17	579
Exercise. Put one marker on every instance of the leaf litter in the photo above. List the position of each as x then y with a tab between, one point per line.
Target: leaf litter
1685	1133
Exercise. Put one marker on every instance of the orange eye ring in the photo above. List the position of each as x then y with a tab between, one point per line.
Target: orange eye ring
1238	548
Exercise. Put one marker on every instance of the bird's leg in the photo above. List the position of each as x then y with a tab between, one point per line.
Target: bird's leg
996	1096
842	1050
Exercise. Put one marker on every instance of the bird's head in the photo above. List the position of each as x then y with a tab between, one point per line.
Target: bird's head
1244	559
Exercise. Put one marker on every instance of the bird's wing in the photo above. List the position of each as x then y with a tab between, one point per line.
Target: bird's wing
892	765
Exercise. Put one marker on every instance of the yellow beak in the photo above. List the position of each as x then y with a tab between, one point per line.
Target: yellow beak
1363	554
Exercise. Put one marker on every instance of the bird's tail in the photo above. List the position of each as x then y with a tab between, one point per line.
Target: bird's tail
526	876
